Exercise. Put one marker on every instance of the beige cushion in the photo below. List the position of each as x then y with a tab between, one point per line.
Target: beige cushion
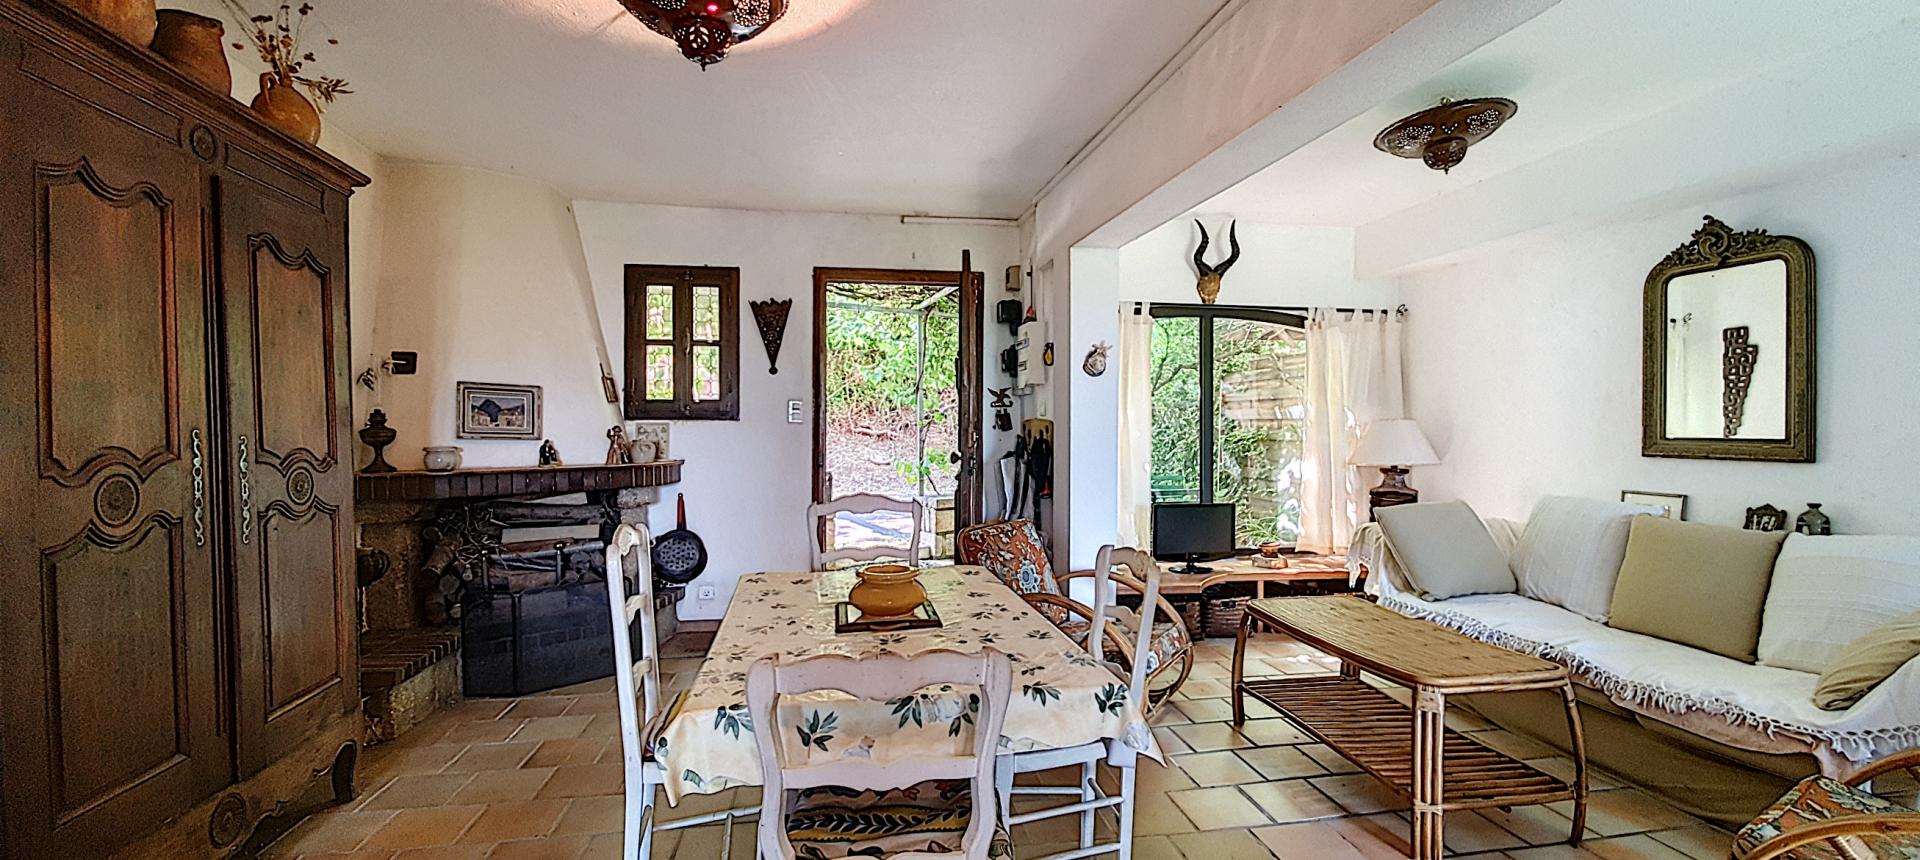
1695	584
1829	590
1867	662
1570	553
1445	550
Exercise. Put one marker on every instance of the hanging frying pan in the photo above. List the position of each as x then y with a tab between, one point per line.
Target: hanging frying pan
679	555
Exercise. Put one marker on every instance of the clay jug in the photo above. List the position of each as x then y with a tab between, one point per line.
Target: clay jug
132	20
196	45
284	108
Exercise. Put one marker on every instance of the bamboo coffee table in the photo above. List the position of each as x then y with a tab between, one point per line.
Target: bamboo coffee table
1438	769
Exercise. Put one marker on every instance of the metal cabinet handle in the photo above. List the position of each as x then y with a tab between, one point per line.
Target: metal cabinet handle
246	493
199	490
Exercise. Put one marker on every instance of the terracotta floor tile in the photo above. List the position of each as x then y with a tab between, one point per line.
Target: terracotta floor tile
1536	825
1468	832
391	760
566	751
585	780
1627	810
540	706
1210	737
409	792
445	852
592	815
1222	845
493	786
1281	762
1639	846
1292	800
551	728
1154	848
1206	710
1216	768
1360	793
331	831
482	732
1700	841
1157	815
1273	732
1327	758
1170	743
545	848
1218	808
520	819
505	756
420	828
478	709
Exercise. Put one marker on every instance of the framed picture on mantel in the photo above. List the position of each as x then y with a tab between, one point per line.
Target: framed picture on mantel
493	411
1675	503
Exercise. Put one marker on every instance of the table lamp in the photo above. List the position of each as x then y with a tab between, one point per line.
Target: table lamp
1393	445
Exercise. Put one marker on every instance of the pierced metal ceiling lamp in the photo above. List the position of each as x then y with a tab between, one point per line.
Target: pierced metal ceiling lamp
706	30
1440	135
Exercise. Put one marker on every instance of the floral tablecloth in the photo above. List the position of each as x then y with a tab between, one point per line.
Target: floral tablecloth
1061	697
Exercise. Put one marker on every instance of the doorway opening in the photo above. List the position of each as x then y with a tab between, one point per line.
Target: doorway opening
897	401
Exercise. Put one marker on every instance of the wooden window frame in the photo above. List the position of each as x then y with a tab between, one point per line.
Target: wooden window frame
683	279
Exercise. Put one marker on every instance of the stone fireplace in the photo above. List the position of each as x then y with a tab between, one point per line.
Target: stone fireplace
490	581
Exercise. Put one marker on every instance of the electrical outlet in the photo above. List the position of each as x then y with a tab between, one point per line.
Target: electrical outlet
795	412
706	592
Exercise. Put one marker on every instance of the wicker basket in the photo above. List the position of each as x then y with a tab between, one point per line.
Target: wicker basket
1192	612
1224	614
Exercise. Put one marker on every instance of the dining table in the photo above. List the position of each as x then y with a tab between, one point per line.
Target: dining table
1061	697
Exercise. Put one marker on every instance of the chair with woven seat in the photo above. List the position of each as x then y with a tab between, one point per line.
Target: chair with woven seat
637	683
1823	818
1011	551
852	803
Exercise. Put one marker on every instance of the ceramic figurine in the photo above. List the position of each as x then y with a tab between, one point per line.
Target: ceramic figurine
1814	521
549	455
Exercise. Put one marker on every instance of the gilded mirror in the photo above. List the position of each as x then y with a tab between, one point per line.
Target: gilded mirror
1729	356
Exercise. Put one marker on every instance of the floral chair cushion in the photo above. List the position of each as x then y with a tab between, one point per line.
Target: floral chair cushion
1010	550
931	817
1169	639
1816	799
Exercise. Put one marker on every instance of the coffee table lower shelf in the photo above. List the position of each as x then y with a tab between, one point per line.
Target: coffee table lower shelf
1371	728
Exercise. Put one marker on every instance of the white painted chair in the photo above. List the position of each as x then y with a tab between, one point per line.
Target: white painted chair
812	801
642	718
820	524
1091	796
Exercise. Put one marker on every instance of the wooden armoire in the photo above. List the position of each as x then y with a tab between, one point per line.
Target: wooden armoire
177	620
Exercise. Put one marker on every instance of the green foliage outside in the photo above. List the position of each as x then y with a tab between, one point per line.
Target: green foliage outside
1257	437
872	385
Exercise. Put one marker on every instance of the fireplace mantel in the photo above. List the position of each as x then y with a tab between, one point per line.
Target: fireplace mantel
411	485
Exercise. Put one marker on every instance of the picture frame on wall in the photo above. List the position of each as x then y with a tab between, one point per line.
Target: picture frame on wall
1674	503
497	411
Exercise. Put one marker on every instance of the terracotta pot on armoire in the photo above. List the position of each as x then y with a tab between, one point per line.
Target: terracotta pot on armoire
179	622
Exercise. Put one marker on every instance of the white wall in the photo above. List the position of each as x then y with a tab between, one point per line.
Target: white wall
1280	266
481	274
748	482
1523	360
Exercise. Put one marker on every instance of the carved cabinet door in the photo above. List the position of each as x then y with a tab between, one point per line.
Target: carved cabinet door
283	292
111	716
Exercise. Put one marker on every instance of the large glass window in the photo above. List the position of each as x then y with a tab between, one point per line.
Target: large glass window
1228	388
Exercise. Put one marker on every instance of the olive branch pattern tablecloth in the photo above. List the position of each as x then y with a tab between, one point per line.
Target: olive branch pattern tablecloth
1061	696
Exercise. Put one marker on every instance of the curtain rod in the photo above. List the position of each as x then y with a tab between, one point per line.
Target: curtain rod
1400	310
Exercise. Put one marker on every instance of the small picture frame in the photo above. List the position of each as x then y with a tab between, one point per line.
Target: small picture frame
1674	503
655	432
495	411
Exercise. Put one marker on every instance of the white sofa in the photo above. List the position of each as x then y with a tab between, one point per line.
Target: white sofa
1712	734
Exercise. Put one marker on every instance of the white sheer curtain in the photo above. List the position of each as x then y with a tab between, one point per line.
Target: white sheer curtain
1134	360
1353	377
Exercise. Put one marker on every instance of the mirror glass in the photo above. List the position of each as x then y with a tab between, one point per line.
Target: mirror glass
1727	349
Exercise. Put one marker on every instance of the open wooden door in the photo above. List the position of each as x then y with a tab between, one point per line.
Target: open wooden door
967	494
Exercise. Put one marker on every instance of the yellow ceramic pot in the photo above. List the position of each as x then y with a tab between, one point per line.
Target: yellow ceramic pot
887	590
284	108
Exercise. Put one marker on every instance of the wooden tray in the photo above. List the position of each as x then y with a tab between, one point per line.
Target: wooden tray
848	619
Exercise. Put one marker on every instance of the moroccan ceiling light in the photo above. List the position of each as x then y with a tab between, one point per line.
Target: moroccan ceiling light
706	30
1440	135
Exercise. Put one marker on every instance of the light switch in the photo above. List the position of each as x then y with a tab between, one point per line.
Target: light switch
796	412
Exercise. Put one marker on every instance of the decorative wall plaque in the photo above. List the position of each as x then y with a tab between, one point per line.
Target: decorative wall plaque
1737	360
771	316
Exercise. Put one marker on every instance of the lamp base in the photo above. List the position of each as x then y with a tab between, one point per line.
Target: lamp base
1393	490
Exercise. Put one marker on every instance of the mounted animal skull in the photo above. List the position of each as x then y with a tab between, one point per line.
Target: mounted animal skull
1209	283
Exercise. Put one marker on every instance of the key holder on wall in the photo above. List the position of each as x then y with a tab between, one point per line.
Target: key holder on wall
771	316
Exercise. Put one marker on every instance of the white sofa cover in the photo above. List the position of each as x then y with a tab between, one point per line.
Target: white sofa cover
1749	706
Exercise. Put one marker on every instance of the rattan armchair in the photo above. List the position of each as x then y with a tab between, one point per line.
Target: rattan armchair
1823	818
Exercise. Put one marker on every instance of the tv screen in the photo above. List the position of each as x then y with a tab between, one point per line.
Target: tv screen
1185	531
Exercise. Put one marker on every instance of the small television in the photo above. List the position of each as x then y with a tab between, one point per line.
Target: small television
1190	532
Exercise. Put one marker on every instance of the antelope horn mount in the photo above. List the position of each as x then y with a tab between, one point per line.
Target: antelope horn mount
1209	283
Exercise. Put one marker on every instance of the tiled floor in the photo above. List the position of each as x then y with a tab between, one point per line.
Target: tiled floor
539	777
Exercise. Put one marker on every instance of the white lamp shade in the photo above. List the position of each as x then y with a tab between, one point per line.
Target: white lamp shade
1394	442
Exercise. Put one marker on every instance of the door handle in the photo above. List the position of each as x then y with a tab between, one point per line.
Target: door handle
199	475
246	492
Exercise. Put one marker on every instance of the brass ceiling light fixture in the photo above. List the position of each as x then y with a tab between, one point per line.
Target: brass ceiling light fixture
1441	134
706	30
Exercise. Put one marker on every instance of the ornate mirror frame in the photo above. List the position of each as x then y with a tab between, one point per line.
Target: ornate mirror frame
1717	246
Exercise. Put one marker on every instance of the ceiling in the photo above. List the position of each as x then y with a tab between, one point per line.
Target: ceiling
877	106
1578	71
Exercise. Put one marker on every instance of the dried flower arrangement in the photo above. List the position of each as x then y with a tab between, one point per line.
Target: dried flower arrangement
278	38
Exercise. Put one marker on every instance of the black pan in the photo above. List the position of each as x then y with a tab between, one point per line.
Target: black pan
679	556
